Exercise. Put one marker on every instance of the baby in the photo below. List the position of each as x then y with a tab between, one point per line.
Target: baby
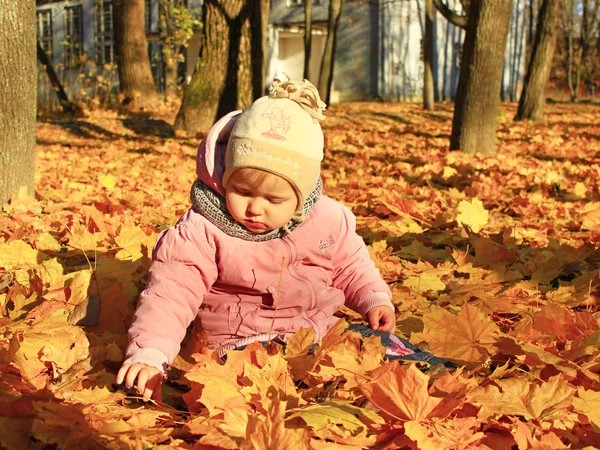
262	253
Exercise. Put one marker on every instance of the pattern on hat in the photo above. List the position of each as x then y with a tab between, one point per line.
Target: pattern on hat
281	134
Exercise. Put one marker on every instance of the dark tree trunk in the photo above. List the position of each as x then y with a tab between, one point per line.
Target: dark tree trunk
327	63
428	51
533	97
168	53
478	91
259	18
66	105
131	48
18	73
307	37
230	65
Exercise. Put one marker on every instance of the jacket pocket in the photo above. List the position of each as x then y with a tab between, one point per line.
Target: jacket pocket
241	320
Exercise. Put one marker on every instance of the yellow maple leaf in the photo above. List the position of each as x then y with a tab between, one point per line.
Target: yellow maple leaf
299	343
269	432
468	337
424	282
50	340
51	272
472	214
235	423
274	372
580	189
19	254
449	172
552	176
353	365
324	415
108	181
46	241
132	239
588	403
215	386
520	397
79	286
444	434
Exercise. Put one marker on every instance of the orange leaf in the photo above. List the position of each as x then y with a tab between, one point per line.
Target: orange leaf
401	392
270	432
467	337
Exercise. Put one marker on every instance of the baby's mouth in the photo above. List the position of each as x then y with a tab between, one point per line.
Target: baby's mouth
254	224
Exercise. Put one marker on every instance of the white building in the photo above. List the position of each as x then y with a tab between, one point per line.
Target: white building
378	55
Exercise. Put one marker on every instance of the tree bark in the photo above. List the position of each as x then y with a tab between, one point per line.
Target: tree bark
428	51
201	96
327	63
168	53
66	105
533	97
225	77
131	49
478	91
18	83
307	37
259	18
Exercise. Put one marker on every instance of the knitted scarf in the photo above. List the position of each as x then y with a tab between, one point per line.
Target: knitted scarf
213	207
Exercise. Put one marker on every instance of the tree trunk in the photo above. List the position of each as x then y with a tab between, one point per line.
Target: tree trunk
240	72
18	82
478	91
428	51
66	105
131	48
224	78
168	54
201	96
307	37
327	63
259	18
533	97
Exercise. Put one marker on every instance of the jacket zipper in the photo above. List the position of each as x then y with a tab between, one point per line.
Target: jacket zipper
296	275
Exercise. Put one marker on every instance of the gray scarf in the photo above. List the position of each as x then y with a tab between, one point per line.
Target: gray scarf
213	207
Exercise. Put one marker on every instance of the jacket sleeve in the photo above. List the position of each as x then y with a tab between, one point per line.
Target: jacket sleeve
354	270
183	270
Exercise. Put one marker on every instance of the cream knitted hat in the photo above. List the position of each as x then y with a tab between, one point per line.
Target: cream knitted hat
280	133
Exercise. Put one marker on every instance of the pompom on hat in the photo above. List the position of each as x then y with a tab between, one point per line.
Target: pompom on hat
280	133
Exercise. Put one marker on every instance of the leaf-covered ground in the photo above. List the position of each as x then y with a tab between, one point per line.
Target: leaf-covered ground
493	263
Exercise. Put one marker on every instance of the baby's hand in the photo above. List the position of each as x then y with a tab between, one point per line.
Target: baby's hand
149	380
382	318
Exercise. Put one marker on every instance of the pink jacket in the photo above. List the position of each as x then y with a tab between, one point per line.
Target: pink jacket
237	288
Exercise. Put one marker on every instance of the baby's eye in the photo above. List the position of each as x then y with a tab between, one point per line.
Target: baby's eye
243	192
276	201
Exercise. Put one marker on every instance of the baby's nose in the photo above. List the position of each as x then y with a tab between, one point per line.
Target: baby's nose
255	207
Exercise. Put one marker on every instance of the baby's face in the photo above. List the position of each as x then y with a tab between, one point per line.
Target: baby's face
260	201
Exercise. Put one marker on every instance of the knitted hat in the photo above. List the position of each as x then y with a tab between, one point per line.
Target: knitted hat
280	133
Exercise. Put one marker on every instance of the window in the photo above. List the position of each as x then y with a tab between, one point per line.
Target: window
44	31
103	30
73	36
301	2
148	13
